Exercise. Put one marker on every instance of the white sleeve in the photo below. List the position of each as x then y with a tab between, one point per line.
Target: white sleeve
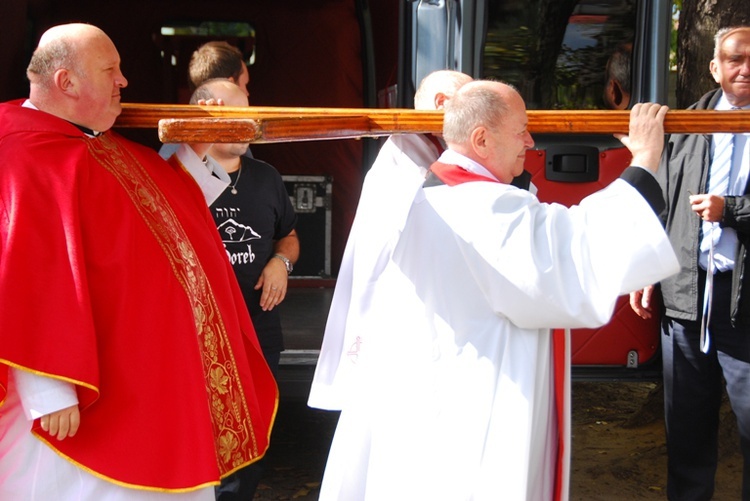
577	261
536	264
42	395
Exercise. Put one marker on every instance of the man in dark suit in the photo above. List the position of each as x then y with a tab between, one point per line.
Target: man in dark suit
706	328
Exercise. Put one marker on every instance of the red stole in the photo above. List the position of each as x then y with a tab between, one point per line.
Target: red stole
233	426
561	383
453	174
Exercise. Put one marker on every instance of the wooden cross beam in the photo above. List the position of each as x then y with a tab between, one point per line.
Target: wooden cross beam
224	124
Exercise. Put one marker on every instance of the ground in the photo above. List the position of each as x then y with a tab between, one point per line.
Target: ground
619	450
618	447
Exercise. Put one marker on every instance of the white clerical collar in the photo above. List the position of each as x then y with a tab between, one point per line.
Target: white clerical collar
451	157
216	169
85	130
203	173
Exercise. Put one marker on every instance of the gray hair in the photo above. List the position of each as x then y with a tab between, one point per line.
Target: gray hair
50	57
618	66
722	35
474	105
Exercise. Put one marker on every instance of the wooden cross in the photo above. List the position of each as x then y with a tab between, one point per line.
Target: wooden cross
258	124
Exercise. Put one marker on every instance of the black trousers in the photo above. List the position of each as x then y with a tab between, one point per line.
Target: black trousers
692	395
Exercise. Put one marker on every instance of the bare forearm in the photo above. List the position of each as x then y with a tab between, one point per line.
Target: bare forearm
288	247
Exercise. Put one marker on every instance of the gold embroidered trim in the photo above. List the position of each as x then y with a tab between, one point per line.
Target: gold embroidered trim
233	430
76	382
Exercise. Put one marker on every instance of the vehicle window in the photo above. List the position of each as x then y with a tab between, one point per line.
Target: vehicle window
557	52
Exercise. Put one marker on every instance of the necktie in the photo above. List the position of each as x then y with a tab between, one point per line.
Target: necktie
718	184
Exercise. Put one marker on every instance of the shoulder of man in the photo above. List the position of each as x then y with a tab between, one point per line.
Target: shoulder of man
17	119
708	101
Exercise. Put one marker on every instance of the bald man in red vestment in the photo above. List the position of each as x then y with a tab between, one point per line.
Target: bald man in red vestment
123	368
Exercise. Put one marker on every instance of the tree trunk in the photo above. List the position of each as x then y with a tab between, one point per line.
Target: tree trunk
553	19
699	21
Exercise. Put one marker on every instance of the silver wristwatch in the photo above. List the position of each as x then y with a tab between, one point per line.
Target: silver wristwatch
287	263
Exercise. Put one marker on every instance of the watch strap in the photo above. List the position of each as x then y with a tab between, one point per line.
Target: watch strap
286	261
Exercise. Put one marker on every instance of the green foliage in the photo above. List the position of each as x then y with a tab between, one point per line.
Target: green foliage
676	9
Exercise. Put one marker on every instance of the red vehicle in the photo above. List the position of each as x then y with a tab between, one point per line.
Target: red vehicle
359	54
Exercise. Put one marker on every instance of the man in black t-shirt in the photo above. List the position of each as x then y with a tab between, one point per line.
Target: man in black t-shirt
256	222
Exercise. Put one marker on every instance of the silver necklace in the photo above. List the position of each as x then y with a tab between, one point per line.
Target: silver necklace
234	186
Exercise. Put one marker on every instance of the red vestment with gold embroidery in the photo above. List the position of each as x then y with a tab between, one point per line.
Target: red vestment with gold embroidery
112	277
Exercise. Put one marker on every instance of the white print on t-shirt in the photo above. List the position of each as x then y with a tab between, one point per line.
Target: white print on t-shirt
241	257
228	212
232	232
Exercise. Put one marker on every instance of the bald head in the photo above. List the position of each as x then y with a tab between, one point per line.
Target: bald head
59	47
75	74
486	121
479	103
437	87
227	154
220	88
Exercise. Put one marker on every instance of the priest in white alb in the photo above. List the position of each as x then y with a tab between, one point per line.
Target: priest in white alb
397	173
461	390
